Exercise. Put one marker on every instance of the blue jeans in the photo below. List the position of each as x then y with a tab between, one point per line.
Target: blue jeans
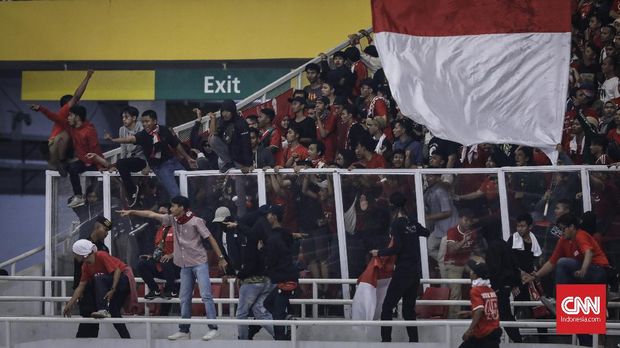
566	268
189	275
165	175
251	297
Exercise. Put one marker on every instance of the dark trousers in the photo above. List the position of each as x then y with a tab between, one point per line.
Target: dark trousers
277	302
125	167
489	341
89	303
75	169
170	272
404	284
505	312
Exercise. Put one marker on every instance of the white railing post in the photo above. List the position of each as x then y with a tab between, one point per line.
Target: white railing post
13	268
148	335
586	198
421	212
293	336
262	188
107	206
315	296
503	203
183	184
49	188
448	336
342	240
231	295
299	81
7	334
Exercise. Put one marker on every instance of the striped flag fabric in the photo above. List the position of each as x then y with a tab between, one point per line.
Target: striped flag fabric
478	71
372	285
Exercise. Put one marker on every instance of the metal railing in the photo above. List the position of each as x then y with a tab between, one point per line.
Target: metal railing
294	325
260	95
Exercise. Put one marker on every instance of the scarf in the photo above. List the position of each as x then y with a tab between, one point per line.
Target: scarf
518	244
481	282
380	144
371	107
469	153
181	220
156	139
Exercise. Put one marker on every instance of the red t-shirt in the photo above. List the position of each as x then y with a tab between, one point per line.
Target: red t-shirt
489	188
376	161
483	297
613	135
460	256
168	243
104	263
329	124
361	72
62	114
577	247
300	150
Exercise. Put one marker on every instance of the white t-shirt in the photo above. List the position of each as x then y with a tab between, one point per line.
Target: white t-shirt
609	89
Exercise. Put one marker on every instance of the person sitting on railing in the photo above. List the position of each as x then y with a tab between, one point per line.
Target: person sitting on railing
160	264
577	258
191	255
405	233
111	280
157	142
132	157
230	139
59	140
484	329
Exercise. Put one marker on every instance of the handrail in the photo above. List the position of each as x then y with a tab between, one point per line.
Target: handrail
293	324
254	96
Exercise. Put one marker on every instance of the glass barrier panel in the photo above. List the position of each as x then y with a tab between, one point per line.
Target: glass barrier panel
604	223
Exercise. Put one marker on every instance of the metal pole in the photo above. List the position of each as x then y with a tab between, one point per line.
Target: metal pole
48	238
148	335
586	198
107	206
262	188
448	336
183	186
419	200
7	334
315	295
13	268
342	241
293	336
299	81
503	203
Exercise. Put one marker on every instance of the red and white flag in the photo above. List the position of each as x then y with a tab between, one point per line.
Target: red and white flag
371	288
483	71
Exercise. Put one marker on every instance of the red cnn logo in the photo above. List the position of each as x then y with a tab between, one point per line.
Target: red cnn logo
581	308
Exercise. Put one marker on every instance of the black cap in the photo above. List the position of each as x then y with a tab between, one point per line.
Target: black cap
479	267
105	222
276	210
229	105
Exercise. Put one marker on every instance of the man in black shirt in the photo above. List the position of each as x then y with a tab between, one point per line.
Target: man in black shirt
157	142
405	281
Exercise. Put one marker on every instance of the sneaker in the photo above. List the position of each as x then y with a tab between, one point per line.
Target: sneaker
211	334
549	303
180	336
133	199
152	294
170	294
226	167
76	201
100	314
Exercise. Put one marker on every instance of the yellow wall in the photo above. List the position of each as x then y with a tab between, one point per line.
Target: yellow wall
176	29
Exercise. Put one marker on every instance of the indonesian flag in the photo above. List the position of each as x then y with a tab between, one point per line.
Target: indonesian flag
371	288
478	71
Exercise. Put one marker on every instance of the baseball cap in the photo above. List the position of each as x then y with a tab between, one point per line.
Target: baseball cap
83	247
221	214
104	221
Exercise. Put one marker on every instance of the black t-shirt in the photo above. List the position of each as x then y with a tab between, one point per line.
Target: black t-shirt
445	147
406	235
307	128
157	147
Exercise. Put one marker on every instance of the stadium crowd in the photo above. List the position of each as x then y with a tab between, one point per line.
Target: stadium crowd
346	118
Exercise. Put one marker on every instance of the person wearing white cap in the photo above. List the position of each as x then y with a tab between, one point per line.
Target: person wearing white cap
111	285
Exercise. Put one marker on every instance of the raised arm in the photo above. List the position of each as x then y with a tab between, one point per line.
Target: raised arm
77	95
